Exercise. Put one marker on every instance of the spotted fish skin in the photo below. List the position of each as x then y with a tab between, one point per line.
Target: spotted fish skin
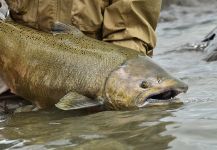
43	67
72	71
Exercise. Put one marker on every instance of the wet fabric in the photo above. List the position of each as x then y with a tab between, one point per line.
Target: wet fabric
129	23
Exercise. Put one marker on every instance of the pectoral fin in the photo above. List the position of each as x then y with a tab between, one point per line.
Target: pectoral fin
73	101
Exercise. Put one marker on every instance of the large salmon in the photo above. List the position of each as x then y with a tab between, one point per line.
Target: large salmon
72	71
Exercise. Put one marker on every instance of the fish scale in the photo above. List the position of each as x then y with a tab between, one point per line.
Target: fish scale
71	70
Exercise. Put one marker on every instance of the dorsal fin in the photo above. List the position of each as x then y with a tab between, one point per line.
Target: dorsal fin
59	28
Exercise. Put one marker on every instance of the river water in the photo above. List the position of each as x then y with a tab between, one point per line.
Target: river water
188	126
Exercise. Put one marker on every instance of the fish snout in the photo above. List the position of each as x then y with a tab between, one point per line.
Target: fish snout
175	85
161	95
179	86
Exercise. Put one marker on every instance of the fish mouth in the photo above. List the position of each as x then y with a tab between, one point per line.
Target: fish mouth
164	95
161	97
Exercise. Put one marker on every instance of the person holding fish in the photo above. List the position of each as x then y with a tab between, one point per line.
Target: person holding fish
73	71
128	23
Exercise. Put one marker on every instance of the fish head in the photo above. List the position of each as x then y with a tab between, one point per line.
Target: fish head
139	80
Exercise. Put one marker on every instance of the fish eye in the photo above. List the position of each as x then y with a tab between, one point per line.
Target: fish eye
144	84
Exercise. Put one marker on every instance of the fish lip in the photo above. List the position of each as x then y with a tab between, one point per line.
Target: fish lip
142	100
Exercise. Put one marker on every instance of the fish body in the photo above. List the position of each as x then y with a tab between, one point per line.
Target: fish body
71	70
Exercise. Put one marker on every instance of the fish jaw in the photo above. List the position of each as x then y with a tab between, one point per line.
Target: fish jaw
162	94
124	88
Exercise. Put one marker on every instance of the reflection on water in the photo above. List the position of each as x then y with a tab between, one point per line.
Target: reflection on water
109	129
190	126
